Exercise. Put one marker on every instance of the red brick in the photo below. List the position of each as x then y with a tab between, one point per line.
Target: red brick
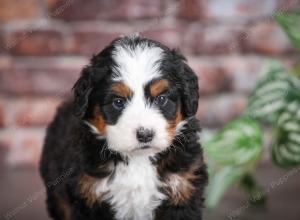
31	81
3	154
222	39
191	9
95	9
35	41
233	73
2	42
219	10
169	36
212	77
51	4
5	145
5	63
35	112
32	147
266	38
243	72
288	5
90	40
212	39
16	9
142	9
41	76
193	39
215	112
24	148
2	115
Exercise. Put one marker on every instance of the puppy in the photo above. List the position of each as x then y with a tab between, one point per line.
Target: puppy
126	146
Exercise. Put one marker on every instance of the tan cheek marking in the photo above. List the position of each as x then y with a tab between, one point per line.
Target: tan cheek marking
64	206
122	90
98	120
174	123
180	186
158	87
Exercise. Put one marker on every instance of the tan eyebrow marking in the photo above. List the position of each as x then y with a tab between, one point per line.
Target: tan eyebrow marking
158	87
122	90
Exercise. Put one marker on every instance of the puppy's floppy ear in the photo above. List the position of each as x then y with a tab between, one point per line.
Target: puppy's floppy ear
84	86
190	89
82	89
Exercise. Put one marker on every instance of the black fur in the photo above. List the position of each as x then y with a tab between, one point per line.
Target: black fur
71	149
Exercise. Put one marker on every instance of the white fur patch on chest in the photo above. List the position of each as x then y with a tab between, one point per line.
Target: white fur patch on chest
133	192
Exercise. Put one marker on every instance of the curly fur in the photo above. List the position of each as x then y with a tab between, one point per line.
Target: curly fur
100	178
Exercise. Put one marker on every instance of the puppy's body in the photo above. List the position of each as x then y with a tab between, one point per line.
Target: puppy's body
131	149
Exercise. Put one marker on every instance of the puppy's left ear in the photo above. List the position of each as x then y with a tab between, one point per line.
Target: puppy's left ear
189	84
190	91
82	90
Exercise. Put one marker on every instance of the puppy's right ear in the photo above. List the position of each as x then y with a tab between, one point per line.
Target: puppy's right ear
81	90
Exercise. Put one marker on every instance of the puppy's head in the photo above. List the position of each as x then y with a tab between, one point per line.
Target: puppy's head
136	94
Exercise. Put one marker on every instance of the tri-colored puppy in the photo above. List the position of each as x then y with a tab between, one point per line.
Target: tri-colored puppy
128	140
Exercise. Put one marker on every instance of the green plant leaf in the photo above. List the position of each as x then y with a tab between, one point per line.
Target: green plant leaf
239	143
290	22
232	153
219	182
286	149
272	93
256	192
296	70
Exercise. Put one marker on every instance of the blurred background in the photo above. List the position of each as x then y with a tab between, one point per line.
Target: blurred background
45	43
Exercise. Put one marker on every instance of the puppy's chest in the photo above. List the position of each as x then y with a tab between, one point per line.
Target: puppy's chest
133	192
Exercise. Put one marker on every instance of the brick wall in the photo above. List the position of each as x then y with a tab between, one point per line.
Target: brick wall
45	43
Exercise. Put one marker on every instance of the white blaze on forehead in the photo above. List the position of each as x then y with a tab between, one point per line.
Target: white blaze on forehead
137	66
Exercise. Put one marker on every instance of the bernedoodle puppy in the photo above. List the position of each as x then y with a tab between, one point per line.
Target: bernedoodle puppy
126	146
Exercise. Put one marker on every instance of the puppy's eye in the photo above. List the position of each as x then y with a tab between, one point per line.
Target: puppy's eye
161	100
119	103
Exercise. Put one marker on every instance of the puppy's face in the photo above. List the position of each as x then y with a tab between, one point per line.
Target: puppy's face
139	103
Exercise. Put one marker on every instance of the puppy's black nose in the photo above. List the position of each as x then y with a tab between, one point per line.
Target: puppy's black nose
144	135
